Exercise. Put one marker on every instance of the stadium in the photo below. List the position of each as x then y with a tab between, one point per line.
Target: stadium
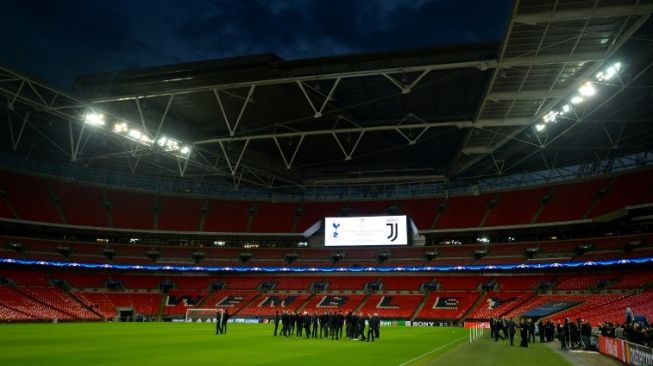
444	194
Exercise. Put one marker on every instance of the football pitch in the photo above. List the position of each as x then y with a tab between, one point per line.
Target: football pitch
248	344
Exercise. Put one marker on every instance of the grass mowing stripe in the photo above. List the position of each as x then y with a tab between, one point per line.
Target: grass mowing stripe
174	344
431	351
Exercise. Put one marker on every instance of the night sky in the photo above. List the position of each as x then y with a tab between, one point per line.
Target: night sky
56	40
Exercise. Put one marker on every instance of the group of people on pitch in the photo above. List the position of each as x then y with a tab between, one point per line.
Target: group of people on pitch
328	325
221	321
570	334
506	328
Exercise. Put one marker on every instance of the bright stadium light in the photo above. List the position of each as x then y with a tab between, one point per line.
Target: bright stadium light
94	119
144	139
566	108
540	127
587	89
120	127
550	117
609	72
134	133
576	99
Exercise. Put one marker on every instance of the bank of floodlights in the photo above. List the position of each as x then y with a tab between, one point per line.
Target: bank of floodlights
134	134
586	91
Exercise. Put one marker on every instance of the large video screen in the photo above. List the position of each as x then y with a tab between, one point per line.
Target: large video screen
365	230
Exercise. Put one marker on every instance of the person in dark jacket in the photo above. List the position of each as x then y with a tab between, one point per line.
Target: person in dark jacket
512	329
523	333
374	323
276	322
531	330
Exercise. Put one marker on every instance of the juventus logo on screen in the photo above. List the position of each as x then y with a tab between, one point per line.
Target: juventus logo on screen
394	231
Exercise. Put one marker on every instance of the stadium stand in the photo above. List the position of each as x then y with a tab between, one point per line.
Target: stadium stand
516	208
411	283
229	216
392	306
179	214
91	213
627	189
447	305
330	301
495	304
131	210
266	305
571	201
464	211
273	217
30	196
43	200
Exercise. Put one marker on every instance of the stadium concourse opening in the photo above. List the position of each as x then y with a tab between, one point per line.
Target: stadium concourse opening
468	204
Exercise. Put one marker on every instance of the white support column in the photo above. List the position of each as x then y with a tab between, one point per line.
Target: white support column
182	167
11	103
283	155
140	114
15	140
163	118
232	130
318	112
412	140
405	89
233	167
348	154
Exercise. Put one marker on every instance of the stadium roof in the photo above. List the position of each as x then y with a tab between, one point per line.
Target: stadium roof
429	115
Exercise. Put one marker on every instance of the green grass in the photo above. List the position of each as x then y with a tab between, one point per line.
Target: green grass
176	344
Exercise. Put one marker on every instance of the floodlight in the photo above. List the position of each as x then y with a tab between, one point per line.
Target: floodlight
162	141
566	108
135	133
540	127
587	89
185	150
94	119
145	139
577	99
120	127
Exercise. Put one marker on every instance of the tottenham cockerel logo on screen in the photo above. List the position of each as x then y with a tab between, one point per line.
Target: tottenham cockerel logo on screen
335	229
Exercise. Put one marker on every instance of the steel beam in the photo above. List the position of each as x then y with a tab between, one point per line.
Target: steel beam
585	13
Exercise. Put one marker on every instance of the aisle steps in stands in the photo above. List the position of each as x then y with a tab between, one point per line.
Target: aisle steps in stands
247	304
419	306
476	303
362	303
306	302
598	197
537	213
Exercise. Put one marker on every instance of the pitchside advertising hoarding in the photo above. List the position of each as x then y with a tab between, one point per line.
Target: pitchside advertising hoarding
627	352
366	230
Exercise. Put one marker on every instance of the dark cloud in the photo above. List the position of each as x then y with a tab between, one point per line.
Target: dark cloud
56	40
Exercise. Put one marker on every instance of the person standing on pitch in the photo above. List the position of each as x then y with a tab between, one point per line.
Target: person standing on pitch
218	321
512	329
225	319
314	325
276	322
523	332
531	330
372	328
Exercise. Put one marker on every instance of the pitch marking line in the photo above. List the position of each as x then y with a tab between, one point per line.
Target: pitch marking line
431	351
